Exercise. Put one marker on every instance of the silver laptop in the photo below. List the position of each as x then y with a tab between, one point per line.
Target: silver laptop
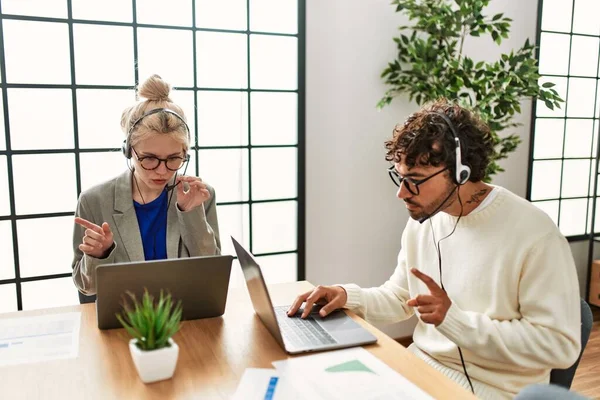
294	334
201	283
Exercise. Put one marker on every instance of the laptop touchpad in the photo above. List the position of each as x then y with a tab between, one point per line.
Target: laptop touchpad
336	321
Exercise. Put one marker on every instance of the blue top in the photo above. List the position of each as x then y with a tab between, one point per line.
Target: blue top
152	218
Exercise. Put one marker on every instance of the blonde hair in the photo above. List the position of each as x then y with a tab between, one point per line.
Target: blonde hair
155	91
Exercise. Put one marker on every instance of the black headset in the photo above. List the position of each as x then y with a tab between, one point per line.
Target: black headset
462	172
126	148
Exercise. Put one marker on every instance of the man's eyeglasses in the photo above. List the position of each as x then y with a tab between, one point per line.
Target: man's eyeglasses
411	185
172	163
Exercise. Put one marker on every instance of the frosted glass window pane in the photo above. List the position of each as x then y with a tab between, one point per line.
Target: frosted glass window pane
222	118
549	207
578	139
274	173
592	178
152	58
274	118
582	93
222	60
545	182
554	54
222	14
584	56
8	298
548	138
191	168
105	10
7	266
52	126
575	179
33	252
99	116
274	62
185	100
233	221
236	279
97	168
561	88
177	12
597	216
4	199
227	172
60	182
279	268
274	227
2	127
274	16
585	19
595	139
39	8
556	15
49	293
40	58
103	55
573	217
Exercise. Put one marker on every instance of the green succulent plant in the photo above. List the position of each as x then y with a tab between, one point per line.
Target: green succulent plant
151	322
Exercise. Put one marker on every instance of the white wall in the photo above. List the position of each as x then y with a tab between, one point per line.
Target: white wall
354	222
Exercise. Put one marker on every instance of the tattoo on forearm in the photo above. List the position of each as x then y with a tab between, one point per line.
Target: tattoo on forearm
476	197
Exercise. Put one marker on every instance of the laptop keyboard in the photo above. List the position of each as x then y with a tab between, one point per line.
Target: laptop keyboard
301	332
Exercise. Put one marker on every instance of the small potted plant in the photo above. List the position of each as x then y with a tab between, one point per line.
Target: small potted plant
151	325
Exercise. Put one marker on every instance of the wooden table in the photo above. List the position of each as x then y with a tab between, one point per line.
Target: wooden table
212	358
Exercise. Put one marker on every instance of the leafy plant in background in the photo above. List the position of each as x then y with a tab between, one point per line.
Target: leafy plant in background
431	64
151	323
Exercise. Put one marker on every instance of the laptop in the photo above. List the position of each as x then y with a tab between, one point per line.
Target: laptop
201	283
294	334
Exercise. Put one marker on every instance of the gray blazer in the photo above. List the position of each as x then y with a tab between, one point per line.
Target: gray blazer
189	234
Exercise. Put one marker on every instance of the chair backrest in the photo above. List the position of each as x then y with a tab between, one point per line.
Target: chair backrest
564	377
83	299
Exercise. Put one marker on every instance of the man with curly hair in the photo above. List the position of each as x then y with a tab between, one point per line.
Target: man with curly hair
489	275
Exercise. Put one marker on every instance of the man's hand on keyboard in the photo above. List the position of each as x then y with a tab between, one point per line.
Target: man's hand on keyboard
333	297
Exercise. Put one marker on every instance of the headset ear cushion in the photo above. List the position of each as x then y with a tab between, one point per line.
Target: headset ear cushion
464	174
125	149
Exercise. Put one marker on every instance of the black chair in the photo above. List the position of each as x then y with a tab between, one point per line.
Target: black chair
564	377
83	299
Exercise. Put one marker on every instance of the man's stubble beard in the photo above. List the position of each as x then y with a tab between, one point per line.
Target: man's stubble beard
427	210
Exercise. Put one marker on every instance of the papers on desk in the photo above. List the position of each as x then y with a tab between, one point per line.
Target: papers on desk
42	338
342	374
263	384
347	374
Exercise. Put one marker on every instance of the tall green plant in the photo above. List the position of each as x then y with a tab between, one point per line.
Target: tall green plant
431	64
151	322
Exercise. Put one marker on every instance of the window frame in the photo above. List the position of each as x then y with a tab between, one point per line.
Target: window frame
77	151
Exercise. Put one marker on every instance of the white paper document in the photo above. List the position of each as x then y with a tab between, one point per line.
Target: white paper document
347	374
263	384
42	338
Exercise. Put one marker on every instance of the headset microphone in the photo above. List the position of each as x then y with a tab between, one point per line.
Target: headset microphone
425	218
171	187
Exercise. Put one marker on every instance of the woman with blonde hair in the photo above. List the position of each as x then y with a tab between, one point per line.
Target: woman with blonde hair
149	212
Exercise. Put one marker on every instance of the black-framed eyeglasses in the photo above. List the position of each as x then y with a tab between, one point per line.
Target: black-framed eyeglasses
172	163
411	185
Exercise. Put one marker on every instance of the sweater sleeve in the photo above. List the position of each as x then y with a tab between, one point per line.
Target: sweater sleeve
548	332
200	228
386	303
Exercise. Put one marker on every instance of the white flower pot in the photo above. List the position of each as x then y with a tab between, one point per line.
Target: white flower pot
154	365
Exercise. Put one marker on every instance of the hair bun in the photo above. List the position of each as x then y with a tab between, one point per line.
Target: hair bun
155	89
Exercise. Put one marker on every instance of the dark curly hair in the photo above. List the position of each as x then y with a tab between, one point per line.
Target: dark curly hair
426	139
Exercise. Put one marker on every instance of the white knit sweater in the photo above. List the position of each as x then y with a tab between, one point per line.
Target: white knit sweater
515	297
